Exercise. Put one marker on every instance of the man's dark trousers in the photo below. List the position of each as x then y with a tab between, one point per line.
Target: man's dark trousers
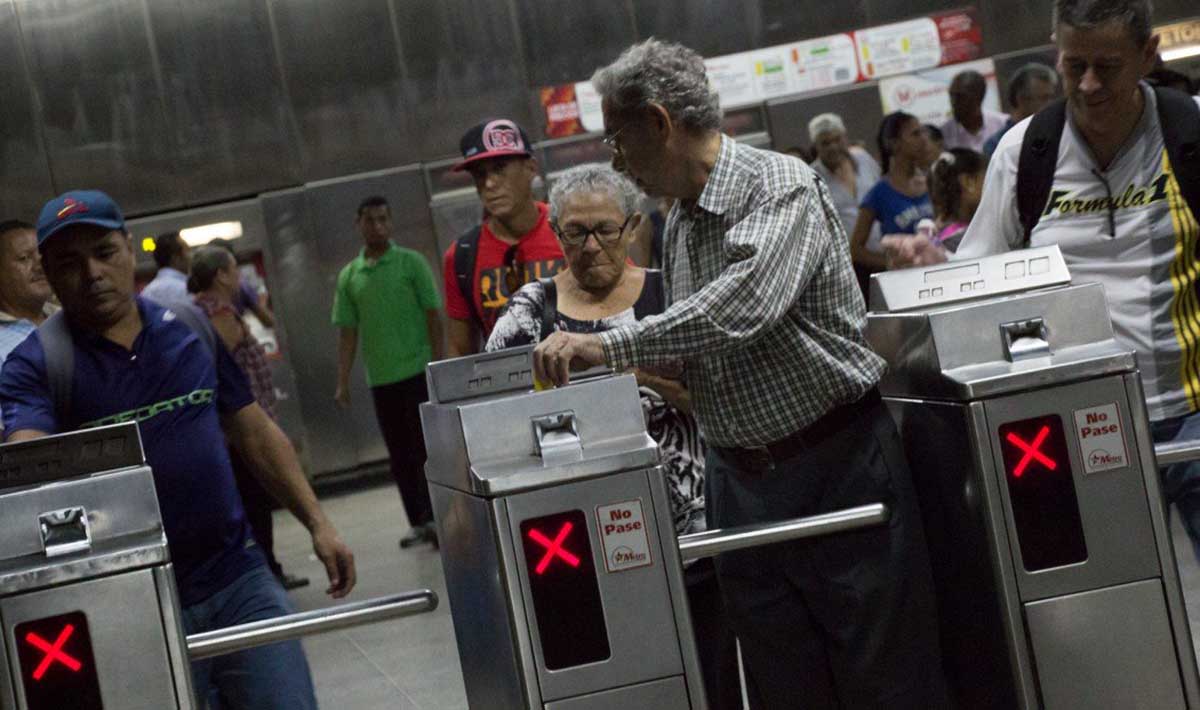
398	409
845	621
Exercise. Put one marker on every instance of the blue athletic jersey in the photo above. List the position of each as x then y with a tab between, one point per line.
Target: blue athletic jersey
173	387
896	212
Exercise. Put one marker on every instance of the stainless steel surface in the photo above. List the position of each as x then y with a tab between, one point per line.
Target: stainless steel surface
294	626
486	446
1106	649
714	542
929	287
643	646
479	559
1112	503
1170	453
24	171
65	531
958	352
665	694
168	602
1171	581
8	697
126	626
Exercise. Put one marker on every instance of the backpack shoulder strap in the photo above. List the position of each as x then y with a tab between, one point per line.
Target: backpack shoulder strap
653	298
194	318
1036	164
59	350
549	306
466	255
1179	117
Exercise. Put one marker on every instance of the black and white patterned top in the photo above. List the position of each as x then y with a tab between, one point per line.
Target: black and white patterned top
763	307
677	434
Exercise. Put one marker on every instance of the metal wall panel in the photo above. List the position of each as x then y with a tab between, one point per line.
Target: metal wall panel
859	106
711	27
24	172
343	74
465	62
792	20
595	33
101	99
223	99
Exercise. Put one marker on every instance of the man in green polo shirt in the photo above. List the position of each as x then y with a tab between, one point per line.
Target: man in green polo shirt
387	296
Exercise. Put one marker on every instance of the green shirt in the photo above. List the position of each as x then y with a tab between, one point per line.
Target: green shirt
386	301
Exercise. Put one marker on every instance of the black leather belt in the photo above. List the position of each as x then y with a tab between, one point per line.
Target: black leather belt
789	446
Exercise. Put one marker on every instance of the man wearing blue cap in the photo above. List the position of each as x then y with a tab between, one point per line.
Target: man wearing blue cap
118	358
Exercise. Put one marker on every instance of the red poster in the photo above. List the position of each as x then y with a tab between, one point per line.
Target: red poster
961	35
562	111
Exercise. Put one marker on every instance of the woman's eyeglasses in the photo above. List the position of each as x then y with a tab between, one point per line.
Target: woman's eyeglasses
607	233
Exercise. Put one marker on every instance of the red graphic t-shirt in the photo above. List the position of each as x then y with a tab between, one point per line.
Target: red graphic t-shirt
538	255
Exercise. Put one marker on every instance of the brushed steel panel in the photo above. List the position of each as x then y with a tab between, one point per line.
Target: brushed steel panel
96	74
223	99
665	694
24	169
345	81
712	27
465	63
596	33
1108	649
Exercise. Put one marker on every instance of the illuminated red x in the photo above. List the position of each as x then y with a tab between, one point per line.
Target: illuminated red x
53	652
554	547
1031	451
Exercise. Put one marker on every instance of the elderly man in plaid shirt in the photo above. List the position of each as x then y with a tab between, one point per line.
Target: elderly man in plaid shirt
766	319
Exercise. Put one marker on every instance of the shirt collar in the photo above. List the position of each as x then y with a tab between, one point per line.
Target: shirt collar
149	311
717	195
169	273
385	257
6	318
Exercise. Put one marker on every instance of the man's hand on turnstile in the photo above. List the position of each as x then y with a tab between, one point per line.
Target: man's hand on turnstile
337	558
556	356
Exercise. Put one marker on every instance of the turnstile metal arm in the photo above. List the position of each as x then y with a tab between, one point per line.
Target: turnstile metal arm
714	542
294	626
1168	454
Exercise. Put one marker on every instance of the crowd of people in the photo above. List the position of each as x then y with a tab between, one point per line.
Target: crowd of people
741	316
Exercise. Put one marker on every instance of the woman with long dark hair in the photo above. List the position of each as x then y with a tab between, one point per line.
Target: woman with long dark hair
900	199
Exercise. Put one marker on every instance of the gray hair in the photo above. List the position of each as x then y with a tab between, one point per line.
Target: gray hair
593	177
825	123
664	73
1136	15
206	262
1024	78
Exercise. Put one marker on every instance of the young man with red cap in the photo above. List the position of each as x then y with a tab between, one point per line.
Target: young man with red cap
513	246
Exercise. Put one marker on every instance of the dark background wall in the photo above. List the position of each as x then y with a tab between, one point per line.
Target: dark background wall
172	103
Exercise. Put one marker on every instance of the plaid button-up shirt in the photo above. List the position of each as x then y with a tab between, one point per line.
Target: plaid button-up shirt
765	310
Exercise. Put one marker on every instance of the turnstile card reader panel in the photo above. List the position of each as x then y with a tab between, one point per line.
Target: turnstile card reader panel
928	287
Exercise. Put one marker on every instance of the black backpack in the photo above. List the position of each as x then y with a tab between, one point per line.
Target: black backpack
1179	117
466	253
59	349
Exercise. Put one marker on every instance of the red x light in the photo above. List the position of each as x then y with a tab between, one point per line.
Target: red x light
554	548
1031	451
58	667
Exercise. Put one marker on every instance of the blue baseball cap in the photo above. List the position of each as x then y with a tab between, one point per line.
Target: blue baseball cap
78	207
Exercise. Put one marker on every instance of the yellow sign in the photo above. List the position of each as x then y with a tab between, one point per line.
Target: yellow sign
1180	34
148	244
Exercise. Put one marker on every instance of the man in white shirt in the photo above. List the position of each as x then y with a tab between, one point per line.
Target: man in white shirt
849	171
1117	211
174	259
972	124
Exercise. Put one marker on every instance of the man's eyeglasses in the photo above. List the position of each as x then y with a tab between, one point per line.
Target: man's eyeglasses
607	233
611	141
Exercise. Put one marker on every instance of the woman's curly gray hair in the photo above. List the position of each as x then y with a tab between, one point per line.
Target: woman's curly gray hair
593	177
664	73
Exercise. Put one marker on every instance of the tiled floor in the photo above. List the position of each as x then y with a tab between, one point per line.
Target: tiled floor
412	664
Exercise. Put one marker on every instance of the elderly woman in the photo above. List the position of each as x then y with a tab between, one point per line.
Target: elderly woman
593	210
215	283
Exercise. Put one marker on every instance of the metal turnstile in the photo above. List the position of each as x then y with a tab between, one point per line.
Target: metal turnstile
88	607
87	595
1027	433
557	540
558	543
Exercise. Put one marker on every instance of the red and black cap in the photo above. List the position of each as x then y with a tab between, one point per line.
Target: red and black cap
494	138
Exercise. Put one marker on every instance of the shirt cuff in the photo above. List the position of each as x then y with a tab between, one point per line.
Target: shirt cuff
620	346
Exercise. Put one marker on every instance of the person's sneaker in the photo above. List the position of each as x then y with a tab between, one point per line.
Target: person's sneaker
291	581
416	536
